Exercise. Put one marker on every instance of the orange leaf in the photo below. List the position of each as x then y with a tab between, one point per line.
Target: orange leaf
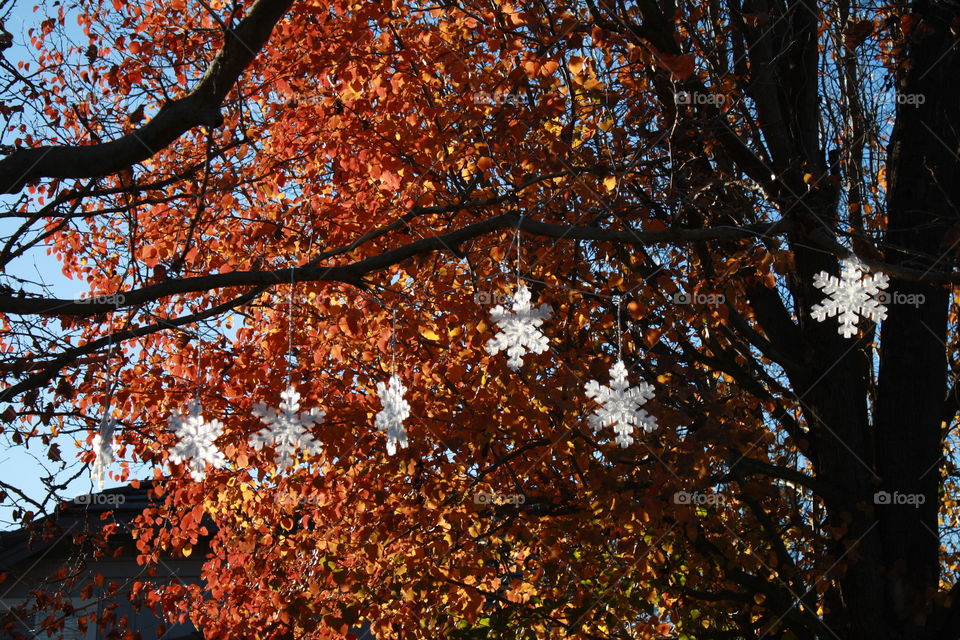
680	67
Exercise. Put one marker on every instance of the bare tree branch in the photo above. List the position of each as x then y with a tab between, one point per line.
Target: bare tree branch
199	107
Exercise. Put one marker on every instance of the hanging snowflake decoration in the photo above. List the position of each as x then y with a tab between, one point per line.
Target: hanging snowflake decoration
620	405
395	411
103	450
196	442
519	329
852	296
287	428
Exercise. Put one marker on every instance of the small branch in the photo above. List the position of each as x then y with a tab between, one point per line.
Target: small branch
50	372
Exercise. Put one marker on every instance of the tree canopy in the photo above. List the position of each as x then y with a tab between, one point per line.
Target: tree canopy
271	193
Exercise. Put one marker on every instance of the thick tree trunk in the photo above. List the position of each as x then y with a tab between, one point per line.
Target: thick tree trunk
889	570
887	589
924	175
833	395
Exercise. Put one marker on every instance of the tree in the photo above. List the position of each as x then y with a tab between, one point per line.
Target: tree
263	193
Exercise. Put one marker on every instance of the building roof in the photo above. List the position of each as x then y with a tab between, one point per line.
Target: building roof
79	515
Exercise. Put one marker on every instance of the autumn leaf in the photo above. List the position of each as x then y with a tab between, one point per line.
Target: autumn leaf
680	67
429	334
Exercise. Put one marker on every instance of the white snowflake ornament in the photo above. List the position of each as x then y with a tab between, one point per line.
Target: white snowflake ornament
196	442
103	450
395	411
287	428
620	405
519	329
852	296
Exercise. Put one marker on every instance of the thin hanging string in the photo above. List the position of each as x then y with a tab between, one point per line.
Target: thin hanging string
112	379
199	355
393	345
393	328
619	332
519	221
290	330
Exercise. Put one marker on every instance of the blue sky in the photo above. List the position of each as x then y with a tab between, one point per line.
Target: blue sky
24	466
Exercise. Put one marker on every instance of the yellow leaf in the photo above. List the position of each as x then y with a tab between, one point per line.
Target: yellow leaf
429	334
610	183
